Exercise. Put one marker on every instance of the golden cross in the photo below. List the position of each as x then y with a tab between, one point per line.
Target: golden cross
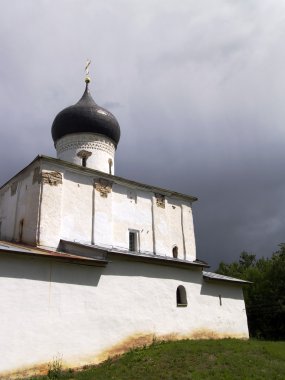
87	78
87	67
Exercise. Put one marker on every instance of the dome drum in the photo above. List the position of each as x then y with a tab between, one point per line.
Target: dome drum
87	149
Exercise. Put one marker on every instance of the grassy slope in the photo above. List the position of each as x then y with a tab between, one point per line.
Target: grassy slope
206	359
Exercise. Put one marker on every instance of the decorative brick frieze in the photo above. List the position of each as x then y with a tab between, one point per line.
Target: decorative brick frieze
85	142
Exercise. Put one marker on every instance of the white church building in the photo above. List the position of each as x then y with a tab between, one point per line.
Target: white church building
92	264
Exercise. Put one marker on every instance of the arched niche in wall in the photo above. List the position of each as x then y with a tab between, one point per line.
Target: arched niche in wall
181	296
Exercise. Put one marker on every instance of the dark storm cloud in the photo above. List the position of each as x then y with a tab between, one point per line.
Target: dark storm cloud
196	86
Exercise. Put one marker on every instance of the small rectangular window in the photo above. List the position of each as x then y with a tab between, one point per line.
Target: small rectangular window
0	229
133	241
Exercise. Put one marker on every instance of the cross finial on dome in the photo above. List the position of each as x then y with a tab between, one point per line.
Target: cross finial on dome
87	77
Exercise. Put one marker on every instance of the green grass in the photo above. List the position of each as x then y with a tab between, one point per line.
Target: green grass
227	359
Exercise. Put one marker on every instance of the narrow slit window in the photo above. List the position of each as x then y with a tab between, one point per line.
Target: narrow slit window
220	300
84	161
0	230
133	241
175	251
110	165
181	297
21	227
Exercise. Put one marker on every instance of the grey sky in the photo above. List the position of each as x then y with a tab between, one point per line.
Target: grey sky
196	86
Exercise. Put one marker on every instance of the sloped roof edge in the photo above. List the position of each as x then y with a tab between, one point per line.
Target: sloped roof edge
69	246
220	277
29	251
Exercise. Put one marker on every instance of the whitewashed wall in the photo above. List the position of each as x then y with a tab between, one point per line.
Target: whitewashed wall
58	202
77	210
83	312
132	210
19	201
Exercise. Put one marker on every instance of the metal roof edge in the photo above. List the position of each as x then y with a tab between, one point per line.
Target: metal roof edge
136	256
28	251
219	277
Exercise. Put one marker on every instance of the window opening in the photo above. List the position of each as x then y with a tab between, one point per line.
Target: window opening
21	230
84	154
133	241
110	165
0	229
175	251
220	299
181	297
110	168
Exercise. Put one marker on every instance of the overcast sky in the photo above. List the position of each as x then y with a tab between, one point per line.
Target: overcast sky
198	90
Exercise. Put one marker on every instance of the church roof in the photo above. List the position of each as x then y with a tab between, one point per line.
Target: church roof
109	252
221	277
86	117
29	251
100	255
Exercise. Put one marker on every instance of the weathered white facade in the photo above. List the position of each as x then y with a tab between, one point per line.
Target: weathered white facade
86	312
92	264
52	200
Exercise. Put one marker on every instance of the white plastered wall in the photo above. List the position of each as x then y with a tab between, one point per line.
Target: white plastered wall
91	210
57	202
19	203
132	211
173	226
80	312
50	208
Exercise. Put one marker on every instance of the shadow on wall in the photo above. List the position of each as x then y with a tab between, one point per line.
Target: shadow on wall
141	269
49	270
224	289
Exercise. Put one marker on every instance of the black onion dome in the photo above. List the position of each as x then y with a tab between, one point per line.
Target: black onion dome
86	116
